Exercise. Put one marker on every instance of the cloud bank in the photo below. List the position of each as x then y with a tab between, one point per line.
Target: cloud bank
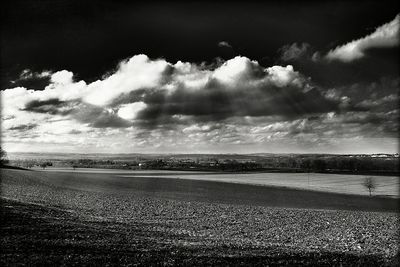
148	92
151	103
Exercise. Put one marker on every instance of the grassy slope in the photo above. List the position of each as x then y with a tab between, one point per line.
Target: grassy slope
57	220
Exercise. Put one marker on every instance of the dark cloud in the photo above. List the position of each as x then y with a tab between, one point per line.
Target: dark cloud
294	51
364	118
32	80
95	116
364	59
217	102
336	73
252	91
98	117
372	124
23	127
51	106
381	95
137	95
111	121
75	132
5	118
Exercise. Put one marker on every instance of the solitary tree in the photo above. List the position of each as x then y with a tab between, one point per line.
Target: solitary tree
370	184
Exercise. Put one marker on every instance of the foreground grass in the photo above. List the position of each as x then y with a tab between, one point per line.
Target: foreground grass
49	224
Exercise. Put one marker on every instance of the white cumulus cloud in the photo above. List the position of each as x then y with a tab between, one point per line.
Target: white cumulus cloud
384	36
129	111
143	96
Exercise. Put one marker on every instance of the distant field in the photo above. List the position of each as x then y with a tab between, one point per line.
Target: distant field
339	183
193	186
81	218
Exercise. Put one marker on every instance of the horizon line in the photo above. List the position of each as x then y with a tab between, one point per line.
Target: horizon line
202	153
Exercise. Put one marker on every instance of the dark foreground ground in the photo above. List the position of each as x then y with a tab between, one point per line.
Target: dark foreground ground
89	220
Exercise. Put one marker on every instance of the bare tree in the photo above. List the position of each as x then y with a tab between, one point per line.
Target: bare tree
370	184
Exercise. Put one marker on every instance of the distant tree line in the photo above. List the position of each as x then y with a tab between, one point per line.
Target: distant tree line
102	163
280	163
240	166
30	163
336	163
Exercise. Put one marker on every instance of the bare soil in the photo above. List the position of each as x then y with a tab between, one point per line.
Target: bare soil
95	220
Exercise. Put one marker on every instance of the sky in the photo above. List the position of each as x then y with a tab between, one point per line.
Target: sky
200	77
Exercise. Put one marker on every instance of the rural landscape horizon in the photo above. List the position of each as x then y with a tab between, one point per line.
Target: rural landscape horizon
204	153
200	133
